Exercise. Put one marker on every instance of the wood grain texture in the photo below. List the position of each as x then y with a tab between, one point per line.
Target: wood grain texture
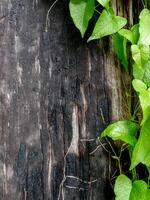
56	93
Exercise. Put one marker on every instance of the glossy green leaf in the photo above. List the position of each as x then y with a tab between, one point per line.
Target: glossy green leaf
120	44
142	73
122	130
138	72
141	152
144	96
104	3
81	12
146	75
107	24
131	35
127	34
144	28
139	190
123	186
140	54
138	85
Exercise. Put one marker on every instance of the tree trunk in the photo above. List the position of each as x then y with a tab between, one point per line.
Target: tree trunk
57	93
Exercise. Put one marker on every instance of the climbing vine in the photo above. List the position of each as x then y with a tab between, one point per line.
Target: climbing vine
134	132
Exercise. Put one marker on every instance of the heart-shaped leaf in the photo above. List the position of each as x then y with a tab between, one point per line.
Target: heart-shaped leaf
107	24
104	3
138	85
122	130
142	73
126	190
81	12
131	35
127	34
140	54
144	96
123	186
144	27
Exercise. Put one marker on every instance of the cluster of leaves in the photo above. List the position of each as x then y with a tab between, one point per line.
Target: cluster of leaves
134	132
108	23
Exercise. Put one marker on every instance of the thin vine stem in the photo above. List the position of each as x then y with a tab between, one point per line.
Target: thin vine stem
48	12
144	3
137	108
97	11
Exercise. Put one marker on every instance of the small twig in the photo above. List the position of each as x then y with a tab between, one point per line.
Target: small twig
76	188
48	12
102	116
81	180
101	145
64	174
143	3
97	11
87	140
112	177
111	147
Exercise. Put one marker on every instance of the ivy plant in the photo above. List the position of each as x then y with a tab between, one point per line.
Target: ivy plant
133	132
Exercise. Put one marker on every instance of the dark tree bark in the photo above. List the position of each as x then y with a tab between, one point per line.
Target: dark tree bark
57	93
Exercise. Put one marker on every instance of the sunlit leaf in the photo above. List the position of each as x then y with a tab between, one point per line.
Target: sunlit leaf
123	186
138	85
107	24
140	54
146	75
104	3
122	130
138	72
144	28
127	34
142	73
141	152
81	12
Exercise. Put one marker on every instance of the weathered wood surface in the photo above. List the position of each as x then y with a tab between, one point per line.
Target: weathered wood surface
54	95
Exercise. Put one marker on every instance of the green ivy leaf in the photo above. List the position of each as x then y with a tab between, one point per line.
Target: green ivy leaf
81	12
146	75
104	3
140	54
141	152
142	73
120	44
125	190
127	34
123	186
131	35
107	24
138	85
144	96
138	72
139	191
122	130
144	28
